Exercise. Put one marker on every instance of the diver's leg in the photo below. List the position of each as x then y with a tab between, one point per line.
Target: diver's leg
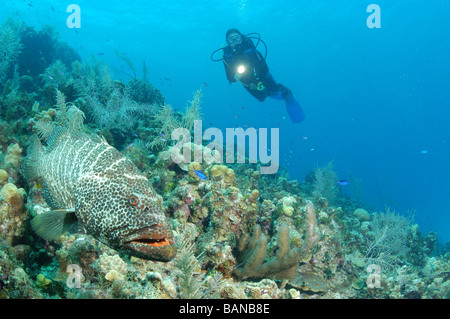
271	87
284	91
259	95
293	108
276	95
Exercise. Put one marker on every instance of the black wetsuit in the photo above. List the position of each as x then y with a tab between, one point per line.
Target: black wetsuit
256	70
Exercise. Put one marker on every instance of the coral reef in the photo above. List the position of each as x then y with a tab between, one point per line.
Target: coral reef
239	234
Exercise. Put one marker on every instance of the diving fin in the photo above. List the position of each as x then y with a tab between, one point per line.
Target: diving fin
294	109
52	224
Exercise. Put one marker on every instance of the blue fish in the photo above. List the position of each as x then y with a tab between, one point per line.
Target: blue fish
343	182
200	174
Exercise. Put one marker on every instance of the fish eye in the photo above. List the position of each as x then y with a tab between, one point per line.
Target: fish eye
133	200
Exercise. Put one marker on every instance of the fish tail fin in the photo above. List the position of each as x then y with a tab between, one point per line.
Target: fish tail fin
30	167
50	225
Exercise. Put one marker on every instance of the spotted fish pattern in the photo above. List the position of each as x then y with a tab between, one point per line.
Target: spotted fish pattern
107	194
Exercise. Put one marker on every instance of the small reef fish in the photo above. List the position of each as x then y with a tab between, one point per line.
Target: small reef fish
89	182
200	174
343	182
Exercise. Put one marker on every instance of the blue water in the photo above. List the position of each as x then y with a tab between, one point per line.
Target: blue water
375	99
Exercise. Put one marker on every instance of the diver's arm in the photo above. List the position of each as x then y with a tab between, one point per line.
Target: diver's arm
229	73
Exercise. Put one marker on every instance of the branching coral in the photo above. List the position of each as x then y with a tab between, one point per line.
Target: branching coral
253	252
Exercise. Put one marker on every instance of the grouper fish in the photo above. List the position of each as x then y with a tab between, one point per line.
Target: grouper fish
88	182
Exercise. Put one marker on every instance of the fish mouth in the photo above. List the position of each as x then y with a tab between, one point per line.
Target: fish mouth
154	243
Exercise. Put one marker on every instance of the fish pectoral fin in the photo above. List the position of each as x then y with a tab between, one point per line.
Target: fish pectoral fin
52	224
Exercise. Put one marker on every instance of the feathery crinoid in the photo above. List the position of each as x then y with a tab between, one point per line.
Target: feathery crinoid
68	116
168	120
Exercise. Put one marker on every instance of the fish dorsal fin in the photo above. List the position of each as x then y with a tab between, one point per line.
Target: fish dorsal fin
58	133
52	224
69	122
30	167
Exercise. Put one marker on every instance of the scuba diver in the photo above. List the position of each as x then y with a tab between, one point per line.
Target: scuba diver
244	63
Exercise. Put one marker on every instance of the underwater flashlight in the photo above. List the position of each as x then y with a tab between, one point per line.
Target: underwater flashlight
241	69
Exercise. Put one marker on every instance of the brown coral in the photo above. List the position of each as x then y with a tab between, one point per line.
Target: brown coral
3	177
252	252
13	160
13	214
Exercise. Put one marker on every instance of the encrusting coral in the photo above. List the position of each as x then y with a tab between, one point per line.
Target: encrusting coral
3	177
113	266
13	213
